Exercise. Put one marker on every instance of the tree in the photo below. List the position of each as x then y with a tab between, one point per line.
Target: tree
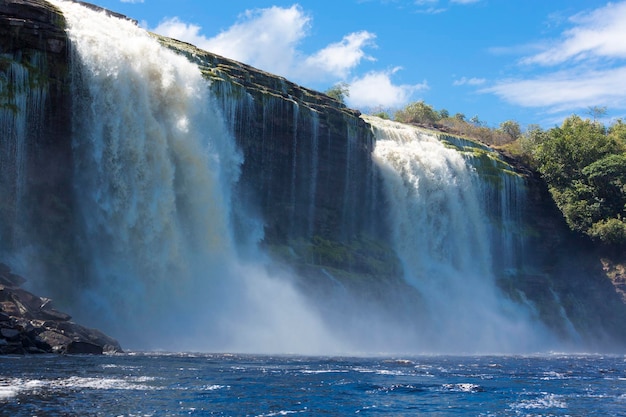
511	128
339	92
611	231
568	149
444	114
417	112
535	133
528	143
585	169
607	176
475	120
617	132
382	115
596	112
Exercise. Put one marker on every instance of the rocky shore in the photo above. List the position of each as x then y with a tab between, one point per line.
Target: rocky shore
29	324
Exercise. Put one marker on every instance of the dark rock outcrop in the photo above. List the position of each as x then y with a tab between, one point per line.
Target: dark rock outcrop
29	324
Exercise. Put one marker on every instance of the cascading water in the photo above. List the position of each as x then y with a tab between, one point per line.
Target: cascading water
313	171
441	231
22	96
349	206
154	169
503	193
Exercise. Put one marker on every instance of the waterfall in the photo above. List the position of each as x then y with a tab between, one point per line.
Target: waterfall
155	167
503	193
348	216
294	167
439	212
313	171
23	92
237	108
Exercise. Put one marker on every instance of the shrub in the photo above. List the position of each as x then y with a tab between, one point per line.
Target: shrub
611	231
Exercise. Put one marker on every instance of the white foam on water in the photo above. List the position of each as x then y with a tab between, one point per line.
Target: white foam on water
8	390
463	387
546	401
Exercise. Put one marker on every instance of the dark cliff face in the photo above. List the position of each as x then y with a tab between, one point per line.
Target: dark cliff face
35	150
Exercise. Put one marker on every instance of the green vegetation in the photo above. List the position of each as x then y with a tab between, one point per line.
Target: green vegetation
419	113
362	257
10	87
423	114
339	92
7	87
582	161
584	165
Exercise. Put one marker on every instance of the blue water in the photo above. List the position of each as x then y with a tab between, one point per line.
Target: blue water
148	384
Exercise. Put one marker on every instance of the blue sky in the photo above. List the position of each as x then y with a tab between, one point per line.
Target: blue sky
534	61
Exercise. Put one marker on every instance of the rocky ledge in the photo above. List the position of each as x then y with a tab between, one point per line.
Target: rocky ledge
29	324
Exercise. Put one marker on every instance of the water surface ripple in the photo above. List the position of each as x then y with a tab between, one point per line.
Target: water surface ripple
149	384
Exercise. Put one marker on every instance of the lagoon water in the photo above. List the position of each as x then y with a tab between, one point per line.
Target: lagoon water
159	384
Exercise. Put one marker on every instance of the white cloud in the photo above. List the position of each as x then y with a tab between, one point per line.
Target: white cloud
338	59
469	81
585	67
177	29
264	38
269	39
376	89
599	34
566	90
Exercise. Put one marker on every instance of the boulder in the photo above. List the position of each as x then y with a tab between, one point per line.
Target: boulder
29	324
9	334
84	348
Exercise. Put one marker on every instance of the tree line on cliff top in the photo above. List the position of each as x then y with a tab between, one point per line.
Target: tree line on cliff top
583	162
